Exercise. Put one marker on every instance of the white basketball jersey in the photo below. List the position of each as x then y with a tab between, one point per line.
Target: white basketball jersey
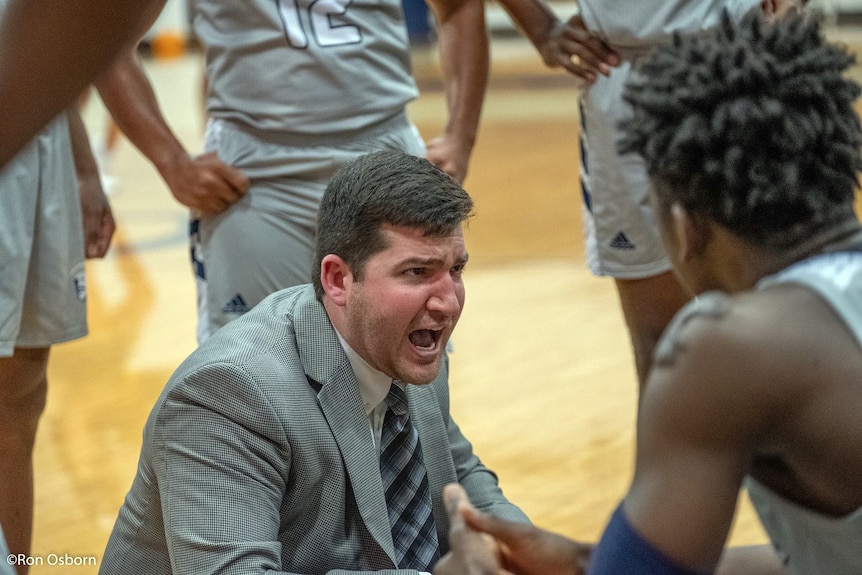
644	23
305	66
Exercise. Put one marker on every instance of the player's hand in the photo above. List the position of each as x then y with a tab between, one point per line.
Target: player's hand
98	219
205	184
527	550
572	46
450	156
470	552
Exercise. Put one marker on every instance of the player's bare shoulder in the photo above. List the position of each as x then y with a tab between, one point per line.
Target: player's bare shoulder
720	355
769	340
703	313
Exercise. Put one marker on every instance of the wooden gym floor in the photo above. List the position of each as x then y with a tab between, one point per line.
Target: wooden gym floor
543	381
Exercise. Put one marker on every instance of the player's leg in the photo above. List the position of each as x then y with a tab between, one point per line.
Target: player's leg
621	231
257	247
648	305
265	242
21	371
42	302
23	388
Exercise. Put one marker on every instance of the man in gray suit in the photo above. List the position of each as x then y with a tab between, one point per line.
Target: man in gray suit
268	449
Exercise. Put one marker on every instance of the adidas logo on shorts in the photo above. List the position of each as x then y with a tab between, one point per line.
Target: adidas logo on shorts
622	242
237	304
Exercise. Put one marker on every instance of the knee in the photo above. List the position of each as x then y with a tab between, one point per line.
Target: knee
23	394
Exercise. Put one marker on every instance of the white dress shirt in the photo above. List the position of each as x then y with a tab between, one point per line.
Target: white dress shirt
373	387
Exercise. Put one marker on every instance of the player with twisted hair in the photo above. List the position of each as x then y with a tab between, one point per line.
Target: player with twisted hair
779	91
752	144
602	45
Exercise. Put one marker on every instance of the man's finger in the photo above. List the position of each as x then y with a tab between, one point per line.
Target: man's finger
454	496
501	529
237	179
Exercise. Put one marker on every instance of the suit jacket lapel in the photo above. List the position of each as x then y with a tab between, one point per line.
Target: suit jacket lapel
326	364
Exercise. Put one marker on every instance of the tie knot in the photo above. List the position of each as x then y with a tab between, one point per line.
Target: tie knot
397	400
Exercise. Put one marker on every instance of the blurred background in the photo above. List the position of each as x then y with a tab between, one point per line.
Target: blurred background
543	380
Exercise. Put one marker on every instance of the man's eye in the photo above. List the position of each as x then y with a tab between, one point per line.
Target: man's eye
458	269
416	271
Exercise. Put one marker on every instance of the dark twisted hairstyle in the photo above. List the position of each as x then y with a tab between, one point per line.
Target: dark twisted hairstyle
752	126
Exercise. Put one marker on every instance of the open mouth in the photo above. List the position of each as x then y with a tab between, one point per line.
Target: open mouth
426	339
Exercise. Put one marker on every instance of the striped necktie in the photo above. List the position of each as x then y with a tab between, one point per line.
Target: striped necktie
406	486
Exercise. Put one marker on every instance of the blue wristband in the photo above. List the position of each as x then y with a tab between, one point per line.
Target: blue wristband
623	550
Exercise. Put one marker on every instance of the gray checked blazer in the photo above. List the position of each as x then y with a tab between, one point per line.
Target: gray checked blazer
258	458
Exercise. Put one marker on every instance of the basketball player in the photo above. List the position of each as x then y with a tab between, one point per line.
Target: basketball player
750	137
49	222
603	45
295	90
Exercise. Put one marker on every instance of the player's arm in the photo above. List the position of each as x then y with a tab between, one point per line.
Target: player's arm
702	408
482	544
203	183
569	45
50	51
98	219
464	58
698	417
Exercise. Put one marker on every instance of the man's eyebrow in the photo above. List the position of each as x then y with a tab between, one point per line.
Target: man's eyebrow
432	260
419	261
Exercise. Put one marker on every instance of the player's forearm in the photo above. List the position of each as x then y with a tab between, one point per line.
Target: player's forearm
131	101
464	57
50	51
86	167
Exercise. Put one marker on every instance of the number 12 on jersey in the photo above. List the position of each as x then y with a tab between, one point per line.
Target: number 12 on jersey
321	15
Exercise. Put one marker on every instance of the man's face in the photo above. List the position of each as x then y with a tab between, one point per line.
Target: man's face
400	316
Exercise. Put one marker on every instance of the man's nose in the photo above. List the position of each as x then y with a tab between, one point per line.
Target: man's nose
445	297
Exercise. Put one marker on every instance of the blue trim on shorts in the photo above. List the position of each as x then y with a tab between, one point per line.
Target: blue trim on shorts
586	194
623	551
194	242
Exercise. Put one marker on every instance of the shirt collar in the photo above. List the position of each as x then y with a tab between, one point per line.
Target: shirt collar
373	384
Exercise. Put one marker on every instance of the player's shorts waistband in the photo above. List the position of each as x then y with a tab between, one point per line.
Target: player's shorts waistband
635	51
399	120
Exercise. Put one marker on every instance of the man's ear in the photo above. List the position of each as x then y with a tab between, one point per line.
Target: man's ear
691	231
336	278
